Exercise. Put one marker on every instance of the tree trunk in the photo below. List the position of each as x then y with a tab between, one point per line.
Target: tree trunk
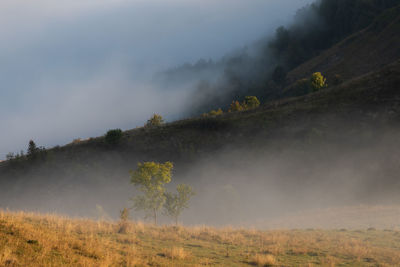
176	220
155	216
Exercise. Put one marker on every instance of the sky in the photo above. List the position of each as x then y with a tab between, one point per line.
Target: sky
76	68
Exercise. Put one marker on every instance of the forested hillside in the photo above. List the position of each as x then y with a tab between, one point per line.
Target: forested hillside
261	69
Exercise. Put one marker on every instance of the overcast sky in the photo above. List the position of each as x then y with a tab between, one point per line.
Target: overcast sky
76	68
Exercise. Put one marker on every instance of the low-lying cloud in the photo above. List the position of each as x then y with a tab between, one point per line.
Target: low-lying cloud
72	69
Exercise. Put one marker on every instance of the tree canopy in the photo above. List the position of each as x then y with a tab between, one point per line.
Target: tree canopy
150	178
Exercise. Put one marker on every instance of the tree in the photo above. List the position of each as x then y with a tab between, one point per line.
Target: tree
235	106
213	113
113	136
32	149
150	178
155	120
251	102
176	203
317	81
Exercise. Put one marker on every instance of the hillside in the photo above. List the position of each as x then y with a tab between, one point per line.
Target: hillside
359	118
363	52
339	146
28	239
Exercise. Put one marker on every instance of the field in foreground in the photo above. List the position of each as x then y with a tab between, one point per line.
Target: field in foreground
49	240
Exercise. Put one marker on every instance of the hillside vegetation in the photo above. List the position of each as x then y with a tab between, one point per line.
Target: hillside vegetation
365	51
28	239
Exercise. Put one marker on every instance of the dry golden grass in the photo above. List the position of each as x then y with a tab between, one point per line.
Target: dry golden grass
264	260
28	239
177	253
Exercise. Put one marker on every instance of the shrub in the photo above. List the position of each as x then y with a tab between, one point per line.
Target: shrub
317	81
123	224
113	136
155	120
32	149
251	102
236	106
264	260
213	113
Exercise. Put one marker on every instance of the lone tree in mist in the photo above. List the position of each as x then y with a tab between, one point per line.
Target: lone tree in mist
150	178
155	120
176	203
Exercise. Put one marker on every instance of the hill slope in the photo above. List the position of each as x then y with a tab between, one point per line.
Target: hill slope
339	146
363	52
360	116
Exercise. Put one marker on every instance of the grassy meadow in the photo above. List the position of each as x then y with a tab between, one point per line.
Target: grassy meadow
28	239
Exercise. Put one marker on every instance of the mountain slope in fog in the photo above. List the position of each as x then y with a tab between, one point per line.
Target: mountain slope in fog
362	52
303	138
338	146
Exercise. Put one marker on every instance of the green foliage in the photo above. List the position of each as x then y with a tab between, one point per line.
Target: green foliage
155	120
176	203
213	113
251	102
32	149
150	178
113	137
235	106
34	152
317	82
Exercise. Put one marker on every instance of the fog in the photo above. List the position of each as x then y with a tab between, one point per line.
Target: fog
281	183
74	69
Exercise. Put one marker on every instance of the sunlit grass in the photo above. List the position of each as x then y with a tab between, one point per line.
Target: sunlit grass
28	239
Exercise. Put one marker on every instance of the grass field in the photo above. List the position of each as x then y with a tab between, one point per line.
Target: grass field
28	239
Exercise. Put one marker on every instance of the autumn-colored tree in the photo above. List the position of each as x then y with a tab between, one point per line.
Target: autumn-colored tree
235	106
317	81
155	120
150	178
176	203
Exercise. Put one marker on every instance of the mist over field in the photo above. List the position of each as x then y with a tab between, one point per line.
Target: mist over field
74	69
200	133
